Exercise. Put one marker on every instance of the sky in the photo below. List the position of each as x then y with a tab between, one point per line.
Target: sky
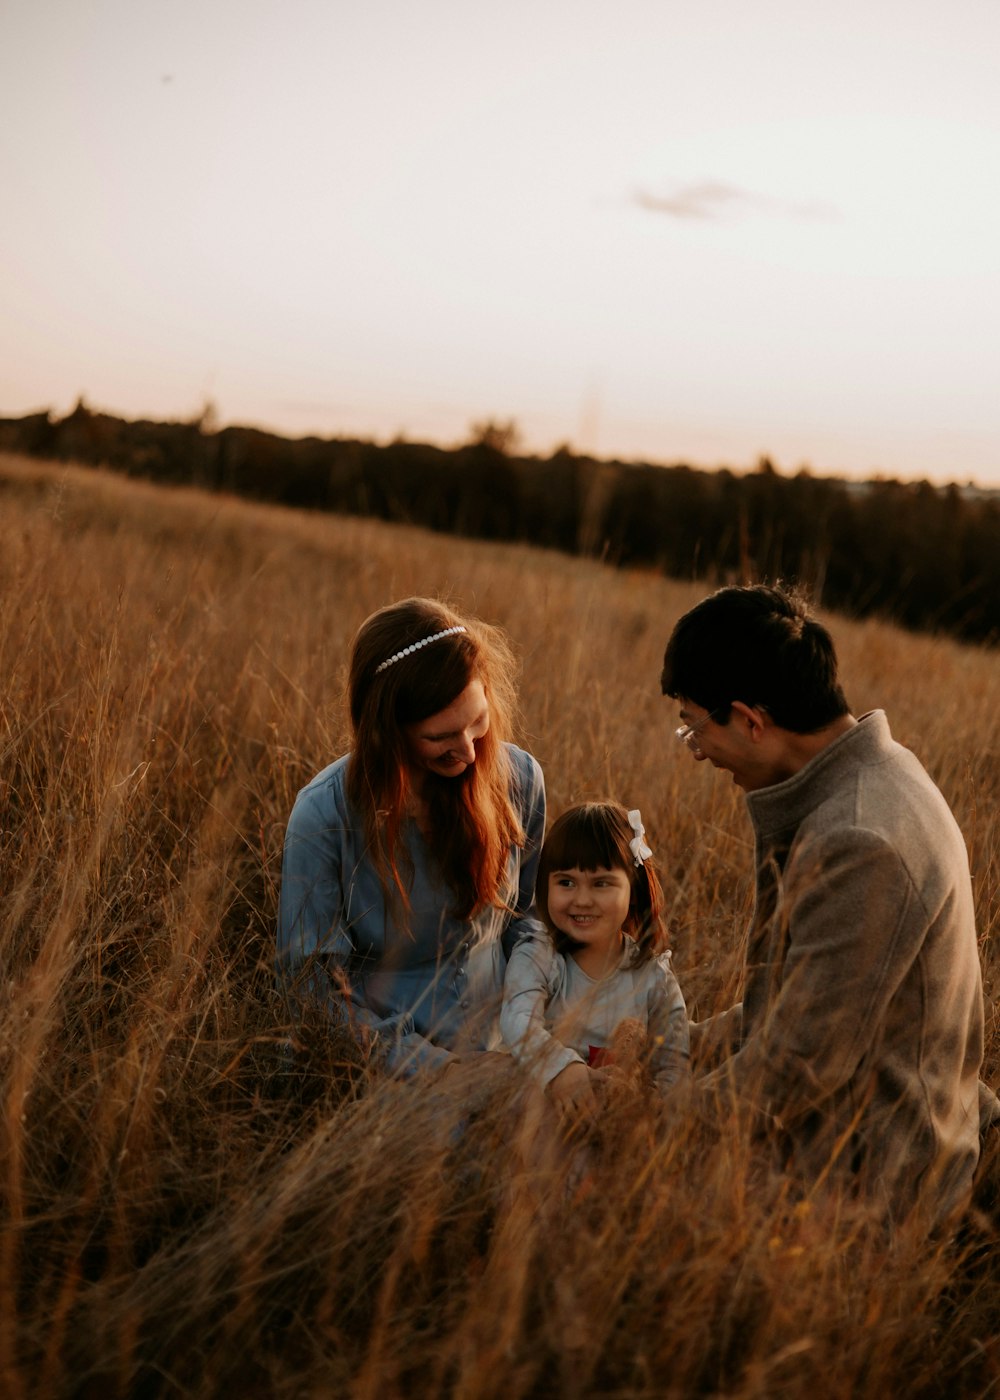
702	232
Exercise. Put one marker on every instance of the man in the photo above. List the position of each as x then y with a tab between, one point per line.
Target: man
860	1034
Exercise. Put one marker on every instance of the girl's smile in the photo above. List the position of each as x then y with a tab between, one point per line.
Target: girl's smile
590	906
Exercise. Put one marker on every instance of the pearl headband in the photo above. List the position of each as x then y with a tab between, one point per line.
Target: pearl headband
415	646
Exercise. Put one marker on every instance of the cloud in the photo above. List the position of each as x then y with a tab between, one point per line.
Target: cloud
711	199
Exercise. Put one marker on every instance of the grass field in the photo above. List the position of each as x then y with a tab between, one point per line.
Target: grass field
186	1215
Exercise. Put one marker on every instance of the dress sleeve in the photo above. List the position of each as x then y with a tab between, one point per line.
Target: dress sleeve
667	1026
311	935
314	947
527	989
530	789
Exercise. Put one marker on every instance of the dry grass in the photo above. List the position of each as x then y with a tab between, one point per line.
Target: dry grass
187	1215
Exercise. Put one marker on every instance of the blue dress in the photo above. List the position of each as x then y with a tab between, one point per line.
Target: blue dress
422	990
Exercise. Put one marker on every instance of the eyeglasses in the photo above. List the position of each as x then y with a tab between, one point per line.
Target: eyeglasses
688	733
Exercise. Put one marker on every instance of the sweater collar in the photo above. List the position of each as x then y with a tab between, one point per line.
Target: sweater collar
776	808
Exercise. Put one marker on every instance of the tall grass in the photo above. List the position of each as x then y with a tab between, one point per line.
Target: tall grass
185	1213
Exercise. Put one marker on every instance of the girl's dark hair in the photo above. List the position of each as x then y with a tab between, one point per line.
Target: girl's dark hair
760	645
596	836
472	817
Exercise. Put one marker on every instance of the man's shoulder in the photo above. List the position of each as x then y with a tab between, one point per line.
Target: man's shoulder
870	783
896	828
898	799
844	841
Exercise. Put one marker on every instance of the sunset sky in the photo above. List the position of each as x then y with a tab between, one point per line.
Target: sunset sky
676	232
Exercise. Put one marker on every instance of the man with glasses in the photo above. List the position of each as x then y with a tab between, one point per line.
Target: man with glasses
859	1039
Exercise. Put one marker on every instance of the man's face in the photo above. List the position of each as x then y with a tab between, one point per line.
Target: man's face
739	745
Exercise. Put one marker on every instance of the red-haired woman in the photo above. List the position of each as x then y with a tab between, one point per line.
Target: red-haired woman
409	863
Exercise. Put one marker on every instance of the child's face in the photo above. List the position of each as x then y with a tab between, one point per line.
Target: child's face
590	906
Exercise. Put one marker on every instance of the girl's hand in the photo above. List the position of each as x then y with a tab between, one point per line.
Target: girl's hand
572	1092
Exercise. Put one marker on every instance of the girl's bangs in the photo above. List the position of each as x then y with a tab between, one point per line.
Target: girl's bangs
583	843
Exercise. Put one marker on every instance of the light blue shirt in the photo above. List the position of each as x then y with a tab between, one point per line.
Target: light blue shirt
424	989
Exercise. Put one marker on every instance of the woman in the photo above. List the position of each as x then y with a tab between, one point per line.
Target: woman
409	863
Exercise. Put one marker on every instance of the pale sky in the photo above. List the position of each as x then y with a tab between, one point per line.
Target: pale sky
656	230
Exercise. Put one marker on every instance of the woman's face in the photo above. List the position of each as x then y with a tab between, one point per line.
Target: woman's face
445	743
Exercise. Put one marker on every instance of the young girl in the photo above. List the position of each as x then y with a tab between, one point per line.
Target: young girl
601	969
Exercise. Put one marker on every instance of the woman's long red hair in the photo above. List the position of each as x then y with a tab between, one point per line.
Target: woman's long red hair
473	823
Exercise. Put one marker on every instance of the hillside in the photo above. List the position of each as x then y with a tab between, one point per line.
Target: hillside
186	1213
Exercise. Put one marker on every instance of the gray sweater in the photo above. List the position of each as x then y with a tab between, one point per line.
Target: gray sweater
861	1029
553	1013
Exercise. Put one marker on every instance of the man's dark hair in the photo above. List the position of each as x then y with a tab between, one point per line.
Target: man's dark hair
758	645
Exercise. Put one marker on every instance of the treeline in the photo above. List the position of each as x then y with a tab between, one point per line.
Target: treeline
927	557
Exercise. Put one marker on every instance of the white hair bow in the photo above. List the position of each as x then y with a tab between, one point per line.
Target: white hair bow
640	851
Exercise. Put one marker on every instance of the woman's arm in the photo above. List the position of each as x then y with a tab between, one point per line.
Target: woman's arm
529	793
314	947
312	944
